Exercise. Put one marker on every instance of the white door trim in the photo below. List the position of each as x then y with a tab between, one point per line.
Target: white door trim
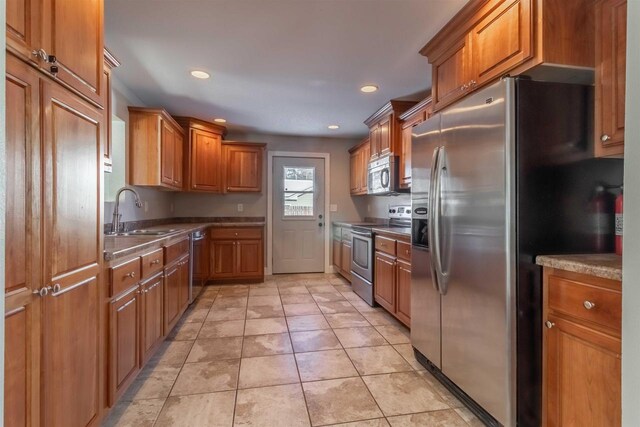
268	268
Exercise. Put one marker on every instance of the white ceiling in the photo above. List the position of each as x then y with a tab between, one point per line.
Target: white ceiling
277	66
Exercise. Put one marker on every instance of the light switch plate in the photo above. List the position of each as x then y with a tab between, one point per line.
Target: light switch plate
240	207
333	208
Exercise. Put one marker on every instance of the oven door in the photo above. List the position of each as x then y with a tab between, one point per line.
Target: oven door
362	255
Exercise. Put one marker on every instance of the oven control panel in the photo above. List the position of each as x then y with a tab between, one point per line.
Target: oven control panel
400	211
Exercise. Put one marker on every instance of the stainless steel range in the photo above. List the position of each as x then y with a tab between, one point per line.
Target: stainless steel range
363	248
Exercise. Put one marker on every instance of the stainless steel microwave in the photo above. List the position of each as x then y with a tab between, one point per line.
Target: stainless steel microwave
383	175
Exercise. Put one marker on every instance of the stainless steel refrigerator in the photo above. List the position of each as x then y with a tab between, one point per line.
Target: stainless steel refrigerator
499	177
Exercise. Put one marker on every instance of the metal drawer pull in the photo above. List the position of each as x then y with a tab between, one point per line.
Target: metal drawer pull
43	292
155	261
589	305
549	324
605	138
131	275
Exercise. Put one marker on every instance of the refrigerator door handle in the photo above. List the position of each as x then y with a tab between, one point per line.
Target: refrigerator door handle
437	211
431	215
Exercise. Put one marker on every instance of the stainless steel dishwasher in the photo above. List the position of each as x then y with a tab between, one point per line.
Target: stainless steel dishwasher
195	286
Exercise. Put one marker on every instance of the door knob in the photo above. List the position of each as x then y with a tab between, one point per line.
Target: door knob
319	224
589	305
549	324
605	138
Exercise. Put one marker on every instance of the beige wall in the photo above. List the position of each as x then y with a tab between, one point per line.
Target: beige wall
631	266
349	208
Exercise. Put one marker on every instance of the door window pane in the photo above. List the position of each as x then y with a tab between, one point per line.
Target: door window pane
299	191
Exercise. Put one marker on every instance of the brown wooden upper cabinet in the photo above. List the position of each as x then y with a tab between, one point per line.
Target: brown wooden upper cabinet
203	160
385	128
490	38
359	163
410	119
243	167
63	38
110	62
156	147
611	44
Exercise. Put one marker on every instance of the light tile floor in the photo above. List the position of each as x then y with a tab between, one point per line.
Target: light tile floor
297	350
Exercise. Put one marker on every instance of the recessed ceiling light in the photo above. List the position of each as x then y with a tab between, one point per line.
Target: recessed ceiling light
220	120
368	88
199	74
333	127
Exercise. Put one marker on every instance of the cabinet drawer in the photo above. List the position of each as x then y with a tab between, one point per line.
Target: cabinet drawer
236	233
125	276
404	251
152	263
386	245
574	299
175	251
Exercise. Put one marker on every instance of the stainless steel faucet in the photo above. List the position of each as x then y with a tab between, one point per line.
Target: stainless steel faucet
116	211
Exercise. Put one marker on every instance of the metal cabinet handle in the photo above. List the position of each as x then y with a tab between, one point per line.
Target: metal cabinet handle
549	324
131	275
472	83
43	292
40	54
57	288
589	305
155	261
605	138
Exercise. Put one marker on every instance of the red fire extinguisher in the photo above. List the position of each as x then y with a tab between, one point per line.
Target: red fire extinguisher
619	206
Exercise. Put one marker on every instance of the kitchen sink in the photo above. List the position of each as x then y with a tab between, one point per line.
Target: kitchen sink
146	232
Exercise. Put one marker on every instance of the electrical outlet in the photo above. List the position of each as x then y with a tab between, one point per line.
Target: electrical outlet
240	207
146	206
333	208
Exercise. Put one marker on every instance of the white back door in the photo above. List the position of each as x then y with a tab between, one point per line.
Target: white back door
298	215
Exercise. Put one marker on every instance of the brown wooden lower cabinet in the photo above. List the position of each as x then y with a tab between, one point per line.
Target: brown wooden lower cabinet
124	333
152	327
392	276
236	253
582	350
345	266
385	281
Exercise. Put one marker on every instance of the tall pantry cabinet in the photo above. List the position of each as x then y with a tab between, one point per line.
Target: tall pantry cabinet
55	134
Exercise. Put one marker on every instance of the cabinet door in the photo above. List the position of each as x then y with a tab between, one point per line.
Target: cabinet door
243	168
374	141
405	157
611	44
183	289
152	316
582	376
364	168
72	31
205	161
403	294
201	260
451	74
72	156
384	138
23	27
249	258
178	160
167	152
346	260
502	40
337	255
223	258
124	336
354	169
384	282
171	297
23	255
108	162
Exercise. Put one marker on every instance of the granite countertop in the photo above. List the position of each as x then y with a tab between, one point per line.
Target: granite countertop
116	247
398	231
606	266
